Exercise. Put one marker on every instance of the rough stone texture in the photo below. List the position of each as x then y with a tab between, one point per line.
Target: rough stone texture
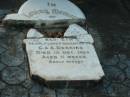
14	91
2	50
114	74
69	93
13	57
36	88
2	66
66	64
110	28
2	85
13	75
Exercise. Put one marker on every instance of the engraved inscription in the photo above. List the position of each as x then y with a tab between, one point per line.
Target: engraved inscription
66	50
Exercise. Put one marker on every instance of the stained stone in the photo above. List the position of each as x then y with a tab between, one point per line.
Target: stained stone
14	91
37	95
4	43
111	61
13	75
2	31
81	34
122	57
24	66
127	83
33	33
28	84
36	88
2	66
110	91
50	58
2	50
128	62
13	58
2	85
44	12
69	93
128	72
122	65
114	74
3	13
120	90
19	40
49	92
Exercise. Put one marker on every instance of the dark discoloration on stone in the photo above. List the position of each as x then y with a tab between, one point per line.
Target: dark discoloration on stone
110	29
2	85
69	93
2	50
14	91
2	66
13	58
13	75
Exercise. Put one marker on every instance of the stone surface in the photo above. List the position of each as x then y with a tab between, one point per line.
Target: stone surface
114	74
36	88
28	84
2	31
48	12
2	50
110	26
14	91
2	85
2	66
111	61
49	92
13	75
62	58
13	57
69	93
33	33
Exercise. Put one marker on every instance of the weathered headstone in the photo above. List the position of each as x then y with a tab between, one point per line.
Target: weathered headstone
47	12
70	58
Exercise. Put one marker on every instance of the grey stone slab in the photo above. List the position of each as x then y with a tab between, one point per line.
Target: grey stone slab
24	66
123	65
18	40
2	31
111	60
13	75
2	66
120	90
128	72
48	13
49	92
36	95
28	84
2	85
114	74
127	83
4	43
36	88
58	59
14	91
13	58
69	93
122	57
2	50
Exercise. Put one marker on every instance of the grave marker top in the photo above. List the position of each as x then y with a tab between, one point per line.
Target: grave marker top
48	11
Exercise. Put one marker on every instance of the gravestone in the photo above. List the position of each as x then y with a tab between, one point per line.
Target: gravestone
63	59
72	57
46	13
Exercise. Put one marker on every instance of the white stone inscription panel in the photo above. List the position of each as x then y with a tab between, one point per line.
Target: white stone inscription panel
56	59
48	11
